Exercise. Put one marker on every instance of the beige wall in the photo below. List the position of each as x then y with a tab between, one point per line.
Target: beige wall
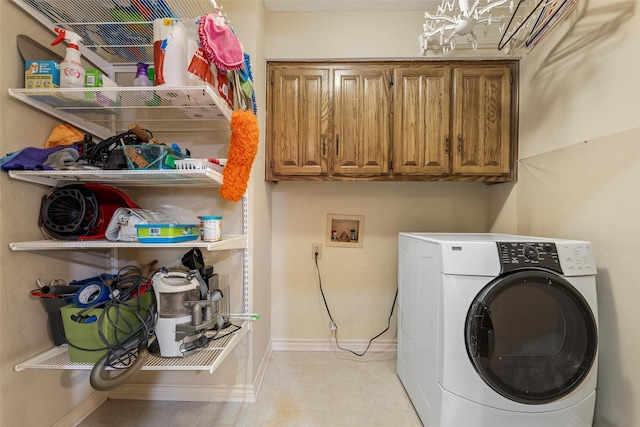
30	397
579	174
260	232
326	35
359	283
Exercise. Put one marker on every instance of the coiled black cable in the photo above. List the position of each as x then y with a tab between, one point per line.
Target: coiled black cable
126	302
129	317
97	154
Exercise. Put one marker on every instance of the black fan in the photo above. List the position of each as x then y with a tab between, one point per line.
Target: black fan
68	212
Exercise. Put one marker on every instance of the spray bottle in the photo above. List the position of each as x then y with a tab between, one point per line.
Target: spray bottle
71	71
142	79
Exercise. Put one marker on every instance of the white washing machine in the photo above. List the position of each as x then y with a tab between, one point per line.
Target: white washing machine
497	330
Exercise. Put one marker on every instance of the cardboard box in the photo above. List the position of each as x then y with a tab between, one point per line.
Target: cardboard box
92	78
41	74
85	344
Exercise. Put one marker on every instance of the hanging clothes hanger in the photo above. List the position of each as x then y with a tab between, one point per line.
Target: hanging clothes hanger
542	27
543	24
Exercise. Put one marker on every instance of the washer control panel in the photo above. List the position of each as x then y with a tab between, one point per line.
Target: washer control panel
517	255
576	259
567	258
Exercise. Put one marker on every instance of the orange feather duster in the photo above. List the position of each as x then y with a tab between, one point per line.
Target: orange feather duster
243	148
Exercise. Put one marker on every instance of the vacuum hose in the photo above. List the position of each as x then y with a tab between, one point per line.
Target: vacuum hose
102	381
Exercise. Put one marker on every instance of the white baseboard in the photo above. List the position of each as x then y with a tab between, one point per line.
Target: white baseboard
189	393
257	384
82	411
288	344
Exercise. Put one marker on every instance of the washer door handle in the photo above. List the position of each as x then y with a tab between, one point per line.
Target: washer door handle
482	333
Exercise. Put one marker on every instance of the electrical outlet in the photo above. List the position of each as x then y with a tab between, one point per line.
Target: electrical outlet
332	326
316	248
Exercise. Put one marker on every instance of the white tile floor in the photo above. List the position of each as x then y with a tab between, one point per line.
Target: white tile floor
301	389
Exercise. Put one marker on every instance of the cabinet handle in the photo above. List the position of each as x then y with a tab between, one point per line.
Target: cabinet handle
324	146
337	144
447	142
459	143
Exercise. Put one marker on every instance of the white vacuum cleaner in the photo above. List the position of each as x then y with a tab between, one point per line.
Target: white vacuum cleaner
187	309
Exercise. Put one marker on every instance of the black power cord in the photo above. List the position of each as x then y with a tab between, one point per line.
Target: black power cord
335	335
130	323
96	154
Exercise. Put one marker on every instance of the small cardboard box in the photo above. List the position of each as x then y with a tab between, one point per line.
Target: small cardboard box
85	344
41	74
92	78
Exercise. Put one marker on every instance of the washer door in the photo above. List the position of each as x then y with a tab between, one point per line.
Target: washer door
531	336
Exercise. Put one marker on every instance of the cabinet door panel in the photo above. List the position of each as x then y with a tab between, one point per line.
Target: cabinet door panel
422	120
299	121
482	118
361	116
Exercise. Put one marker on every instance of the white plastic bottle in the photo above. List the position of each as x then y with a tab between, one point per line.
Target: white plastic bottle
71	71
170	52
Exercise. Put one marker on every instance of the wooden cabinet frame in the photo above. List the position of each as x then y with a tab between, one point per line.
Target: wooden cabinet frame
392	121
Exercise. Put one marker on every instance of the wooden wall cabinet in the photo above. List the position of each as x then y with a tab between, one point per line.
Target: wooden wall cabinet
328	120
421	118
362	120
298	129
482	120
398	121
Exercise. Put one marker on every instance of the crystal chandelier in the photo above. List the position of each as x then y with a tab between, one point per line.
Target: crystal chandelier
458	17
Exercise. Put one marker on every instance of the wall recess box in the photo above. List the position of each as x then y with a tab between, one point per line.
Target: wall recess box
345	231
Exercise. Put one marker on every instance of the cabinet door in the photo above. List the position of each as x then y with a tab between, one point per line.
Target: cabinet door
482	120
421	114
362	120
299	121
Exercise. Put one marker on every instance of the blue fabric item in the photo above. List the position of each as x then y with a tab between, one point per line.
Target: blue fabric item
247	67
29	158
249	72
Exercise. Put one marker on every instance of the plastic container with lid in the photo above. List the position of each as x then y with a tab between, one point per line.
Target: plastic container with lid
211	228
166	233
